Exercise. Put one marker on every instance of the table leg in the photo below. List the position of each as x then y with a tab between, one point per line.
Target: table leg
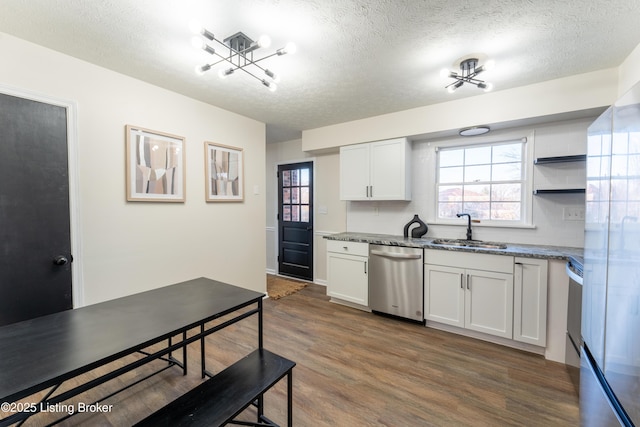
260	331
184	354
202	353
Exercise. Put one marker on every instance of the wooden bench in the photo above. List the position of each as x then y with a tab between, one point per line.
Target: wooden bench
218	400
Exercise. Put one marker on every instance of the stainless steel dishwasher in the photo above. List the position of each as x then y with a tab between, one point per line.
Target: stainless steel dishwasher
395	281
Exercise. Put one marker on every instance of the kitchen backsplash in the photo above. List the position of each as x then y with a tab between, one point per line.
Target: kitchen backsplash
552	139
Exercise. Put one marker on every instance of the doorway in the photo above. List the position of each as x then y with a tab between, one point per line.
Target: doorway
295	220
35	208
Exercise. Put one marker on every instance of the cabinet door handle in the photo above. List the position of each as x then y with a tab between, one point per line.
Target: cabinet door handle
365	267
468	286
366	188
461	281
371	191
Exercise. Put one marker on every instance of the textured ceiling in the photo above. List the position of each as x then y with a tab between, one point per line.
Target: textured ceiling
355	58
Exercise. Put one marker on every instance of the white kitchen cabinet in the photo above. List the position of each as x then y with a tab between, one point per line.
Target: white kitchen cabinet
347	271
378	170
489	302
479	298
530	301
444	293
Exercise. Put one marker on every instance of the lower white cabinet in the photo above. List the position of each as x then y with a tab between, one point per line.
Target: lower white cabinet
478	298
473	299
347	271
530	301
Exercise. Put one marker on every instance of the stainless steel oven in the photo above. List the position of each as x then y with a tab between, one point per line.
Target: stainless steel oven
574	320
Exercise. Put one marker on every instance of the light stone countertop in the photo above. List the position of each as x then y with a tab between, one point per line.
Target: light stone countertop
513	249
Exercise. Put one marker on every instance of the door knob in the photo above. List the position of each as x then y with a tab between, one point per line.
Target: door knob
60	260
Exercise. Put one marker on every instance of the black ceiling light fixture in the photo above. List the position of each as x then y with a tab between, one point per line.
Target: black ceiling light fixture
469	69
238	51
474	130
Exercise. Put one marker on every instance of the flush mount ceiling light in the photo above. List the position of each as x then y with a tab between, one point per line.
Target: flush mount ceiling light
469	69
238	51
474	130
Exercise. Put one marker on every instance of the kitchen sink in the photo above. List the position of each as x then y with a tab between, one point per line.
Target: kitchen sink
469	243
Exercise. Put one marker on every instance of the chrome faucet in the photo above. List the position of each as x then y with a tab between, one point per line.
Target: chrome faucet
469	235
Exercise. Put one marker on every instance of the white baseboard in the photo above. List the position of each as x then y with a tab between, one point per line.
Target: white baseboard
321	282
486	337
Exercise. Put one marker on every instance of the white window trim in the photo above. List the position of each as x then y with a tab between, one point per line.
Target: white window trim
527	196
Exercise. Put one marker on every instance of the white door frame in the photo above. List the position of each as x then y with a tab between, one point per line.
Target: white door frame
276	231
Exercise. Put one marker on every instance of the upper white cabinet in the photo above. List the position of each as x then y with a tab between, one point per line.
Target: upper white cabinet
378	170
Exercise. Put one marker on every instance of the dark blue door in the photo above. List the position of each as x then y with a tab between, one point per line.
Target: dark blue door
295	220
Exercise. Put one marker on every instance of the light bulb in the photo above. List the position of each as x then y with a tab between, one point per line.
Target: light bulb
197	42
291	48
445	73
264	41
489	65
488	87
195	27
288	48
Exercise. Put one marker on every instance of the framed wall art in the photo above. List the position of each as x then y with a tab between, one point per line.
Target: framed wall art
224	173
155	166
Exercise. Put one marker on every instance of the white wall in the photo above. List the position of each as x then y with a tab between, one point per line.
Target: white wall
570	94
557	138
329	211
628	74
128	247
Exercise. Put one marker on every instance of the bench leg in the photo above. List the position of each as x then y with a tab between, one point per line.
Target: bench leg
260	407
259	404
290	399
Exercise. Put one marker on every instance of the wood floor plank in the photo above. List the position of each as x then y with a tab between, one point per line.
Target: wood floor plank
359	369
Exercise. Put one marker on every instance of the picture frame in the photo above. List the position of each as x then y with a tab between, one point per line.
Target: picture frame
224	173
156	166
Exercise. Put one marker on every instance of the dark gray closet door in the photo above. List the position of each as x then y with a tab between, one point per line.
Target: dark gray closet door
35	241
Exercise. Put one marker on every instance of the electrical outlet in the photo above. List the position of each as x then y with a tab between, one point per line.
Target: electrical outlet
575	213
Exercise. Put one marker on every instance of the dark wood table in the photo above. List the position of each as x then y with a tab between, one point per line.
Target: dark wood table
43	353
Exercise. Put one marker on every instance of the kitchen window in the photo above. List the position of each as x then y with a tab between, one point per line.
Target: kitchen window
484	180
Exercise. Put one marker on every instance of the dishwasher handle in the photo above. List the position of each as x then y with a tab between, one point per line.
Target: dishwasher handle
395	255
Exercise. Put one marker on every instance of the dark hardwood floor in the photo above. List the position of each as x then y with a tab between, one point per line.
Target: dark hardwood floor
359	369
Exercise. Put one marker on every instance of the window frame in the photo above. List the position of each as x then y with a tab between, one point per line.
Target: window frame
526	180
